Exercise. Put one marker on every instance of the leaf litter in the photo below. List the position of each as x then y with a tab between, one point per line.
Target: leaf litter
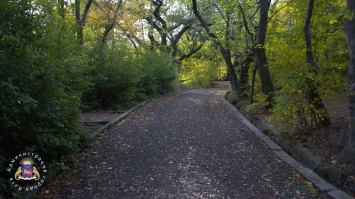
184	145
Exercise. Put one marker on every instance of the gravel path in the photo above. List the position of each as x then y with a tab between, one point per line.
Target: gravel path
181	146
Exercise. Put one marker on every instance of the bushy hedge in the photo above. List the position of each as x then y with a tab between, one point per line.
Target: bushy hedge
41	84
122	77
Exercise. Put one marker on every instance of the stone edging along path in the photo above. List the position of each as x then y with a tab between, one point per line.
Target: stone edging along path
315	179
118	119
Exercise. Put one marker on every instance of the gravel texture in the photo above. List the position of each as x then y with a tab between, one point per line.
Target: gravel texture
181	146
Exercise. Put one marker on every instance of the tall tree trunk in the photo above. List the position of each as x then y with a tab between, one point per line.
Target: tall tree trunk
349	31
232	75
267	86
307	34
246	63
348	153
313	94
150	33
81	20
228	56
244	76
164	28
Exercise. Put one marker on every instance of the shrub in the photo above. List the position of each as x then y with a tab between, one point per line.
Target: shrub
40	84
158	73
232	97
122	77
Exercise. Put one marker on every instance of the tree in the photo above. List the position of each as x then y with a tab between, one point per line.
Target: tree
113	20
256	27
81	20
203	67
291	72
349	30
111	12
313	94
259	50
348	154
250	29
171	27
225	51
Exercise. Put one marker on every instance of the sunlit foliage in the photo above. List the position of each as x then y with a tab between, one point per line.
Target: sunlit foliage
203	68
288	62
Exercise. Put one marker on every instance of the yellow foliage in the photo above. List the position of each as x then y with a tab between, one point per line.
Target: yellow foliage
201	72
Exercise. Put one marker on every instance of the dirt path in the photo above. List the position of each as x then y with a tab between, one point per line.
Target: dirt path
185	145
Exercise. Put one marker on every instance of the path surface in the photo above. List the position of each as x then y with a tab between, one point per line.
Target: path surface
181	146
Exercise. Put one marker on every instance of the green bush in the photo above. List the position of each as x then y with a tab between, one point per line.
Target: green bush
157	75
122	77
232	97
41	84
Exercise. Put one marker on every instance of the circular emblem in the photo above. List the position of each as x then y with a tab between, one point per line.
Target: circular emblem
28	171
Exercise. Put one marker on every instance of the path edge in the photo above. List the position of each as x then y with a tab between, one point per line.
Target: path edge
56	171
117	120
315	179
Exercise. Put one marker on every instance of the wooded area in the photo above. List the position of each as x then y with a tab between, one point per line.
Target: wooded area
62	57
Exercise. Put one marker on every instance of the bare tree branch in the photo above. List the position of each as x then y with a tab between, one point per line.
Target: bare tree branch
246	24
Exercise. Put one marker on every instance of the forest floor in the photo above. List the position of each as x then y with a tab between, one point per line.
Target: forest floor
184	145
323	142
327	142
